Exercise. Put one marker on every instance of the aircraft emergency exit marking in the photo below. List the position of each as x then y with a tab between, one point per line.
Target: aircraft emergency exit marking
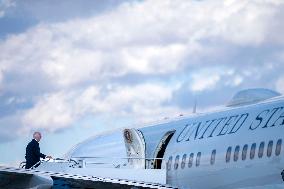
231	124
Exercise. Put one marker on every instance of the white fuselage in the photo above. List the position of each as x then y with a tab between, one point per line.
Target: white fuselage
247	142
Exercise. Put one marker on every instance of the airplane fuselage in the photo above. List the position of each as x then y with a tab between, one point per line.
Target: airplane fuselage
233	148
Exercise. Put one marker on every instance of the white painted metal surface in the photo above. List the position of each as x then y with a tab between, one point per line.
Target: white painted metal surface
83	176
143	175
135	148
250	96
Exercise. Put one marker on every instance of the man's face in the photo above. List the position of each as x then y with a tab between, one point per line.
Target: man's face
39	137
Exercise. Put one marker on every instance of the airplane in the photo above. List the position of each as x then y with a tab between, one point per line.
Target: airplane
237	146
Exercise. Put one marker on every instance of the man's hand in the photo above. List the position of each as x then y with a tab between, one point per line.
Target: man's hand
49	157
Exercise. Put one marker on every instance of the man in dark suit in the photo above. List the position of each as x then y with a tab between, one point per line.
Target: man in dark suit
33	154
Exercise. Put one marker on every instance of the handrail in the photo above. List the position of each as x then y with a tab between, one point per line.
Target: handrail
84	160
36	165
48	160
94	163
22	165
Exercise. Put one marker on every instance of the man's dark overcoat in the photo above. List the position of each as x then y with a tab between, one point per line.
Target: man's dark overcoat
33	154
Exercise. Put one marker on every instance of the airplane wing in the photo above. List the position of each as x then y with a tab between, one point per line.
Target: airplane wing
13	178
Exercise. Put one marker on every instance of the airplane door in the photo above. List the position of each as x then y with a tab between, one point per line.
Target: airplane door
161	148
135	148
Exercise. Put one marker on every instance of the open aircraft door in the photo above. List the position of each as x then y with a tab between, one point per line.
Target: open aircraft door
135	148
161	148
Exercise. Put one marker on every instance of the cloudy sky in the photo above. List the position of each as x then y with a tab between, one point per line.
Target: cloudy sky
73	69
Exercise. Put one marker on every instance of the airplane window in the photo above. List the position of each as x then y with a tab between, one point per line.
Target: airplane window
228	155
212	161
169	165
261	150
244	152
183	161
269	148
278	147
198	159
190	160
252	150
177	162
236	154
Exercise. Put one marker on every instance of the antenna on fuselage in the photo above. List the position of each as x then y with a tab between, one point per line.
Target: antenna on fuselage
194	106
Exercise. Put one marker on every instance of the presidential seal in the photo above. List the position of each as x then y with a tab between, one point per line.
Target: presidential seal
128	136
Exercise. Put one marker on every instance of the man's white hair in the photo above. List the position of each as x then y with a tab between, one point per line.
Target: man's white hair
36	133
